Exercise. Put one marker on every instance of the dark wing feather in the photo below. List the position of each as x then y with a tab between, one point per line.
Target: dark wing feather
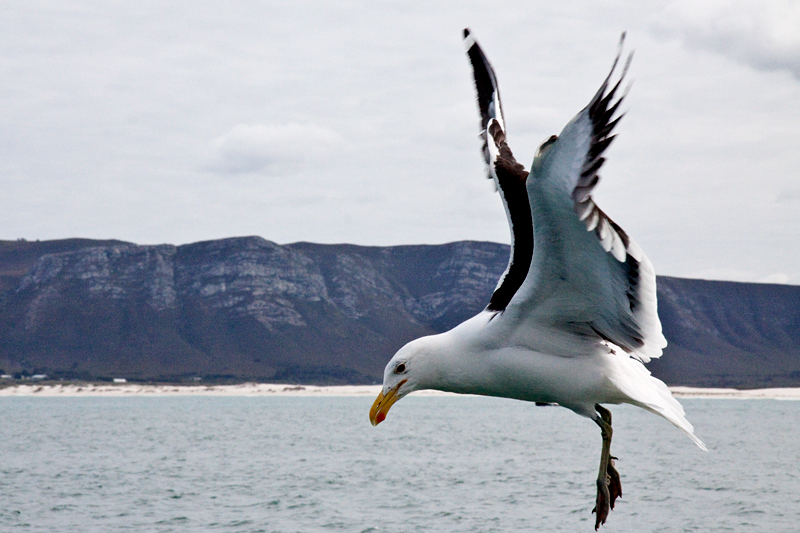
488	92
508	175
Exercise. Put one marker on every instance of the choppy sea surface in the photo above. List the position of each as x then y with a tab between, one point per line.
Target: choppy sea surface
438	463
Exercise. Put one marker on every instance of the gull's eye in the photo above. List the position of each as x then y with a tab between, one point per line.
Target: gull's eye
399	369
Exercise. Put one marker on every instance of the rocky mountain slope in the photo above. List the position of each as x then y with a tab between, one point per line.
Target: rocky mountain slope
247	308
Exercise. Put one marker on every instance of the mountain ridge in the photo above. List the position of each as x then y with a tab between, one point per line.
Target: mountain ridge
245	308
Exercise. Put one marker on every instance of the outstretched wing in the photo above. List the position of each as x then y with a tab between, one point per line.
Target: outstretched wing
587	278
509	176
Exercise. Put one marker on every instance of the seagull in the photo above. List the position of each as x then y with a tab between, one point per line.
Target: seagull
574	316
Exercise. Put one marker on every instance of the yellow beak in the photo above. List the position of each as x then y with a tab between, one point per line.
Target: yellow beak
382	404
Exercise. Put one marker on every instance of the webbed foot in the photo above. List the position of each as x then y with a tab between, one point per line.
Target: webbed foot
601	506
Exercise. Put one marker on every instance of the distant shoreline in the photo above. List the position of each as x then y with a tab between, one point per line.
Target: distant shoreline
268	389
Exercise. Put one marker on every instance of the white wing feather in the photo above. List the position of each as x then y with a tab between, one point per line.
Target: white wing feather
587	276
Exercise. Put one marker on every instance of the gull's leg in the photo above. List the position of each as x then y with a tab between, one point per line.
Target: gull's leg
609	487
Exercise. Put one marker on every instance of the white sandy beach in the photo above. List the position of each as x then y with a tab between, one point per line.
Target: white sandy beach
746	394
127	389
267	389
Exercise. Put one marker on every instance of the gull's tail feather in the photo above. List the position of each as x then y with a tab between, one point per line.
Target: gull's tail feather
648	392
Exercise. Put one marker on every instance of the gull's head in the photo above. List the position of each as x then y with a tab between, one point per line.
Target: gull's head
412	368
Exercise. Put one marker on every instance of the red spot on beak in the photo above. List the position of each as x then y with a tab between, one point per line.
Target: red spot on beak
380	418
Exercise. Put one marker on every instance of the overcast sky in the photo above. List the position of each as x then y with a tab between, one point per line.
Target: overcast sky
174	122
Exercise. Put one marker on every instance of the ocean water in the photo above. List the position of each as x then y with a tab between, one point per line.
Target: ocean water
439	464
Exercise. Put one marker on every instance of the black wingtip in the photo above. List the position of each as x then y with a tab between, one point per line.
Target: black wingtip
466	33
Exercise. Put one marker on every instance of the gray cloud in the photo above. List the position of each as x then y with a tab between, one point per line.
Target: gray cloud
764	34
789	196
250	148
